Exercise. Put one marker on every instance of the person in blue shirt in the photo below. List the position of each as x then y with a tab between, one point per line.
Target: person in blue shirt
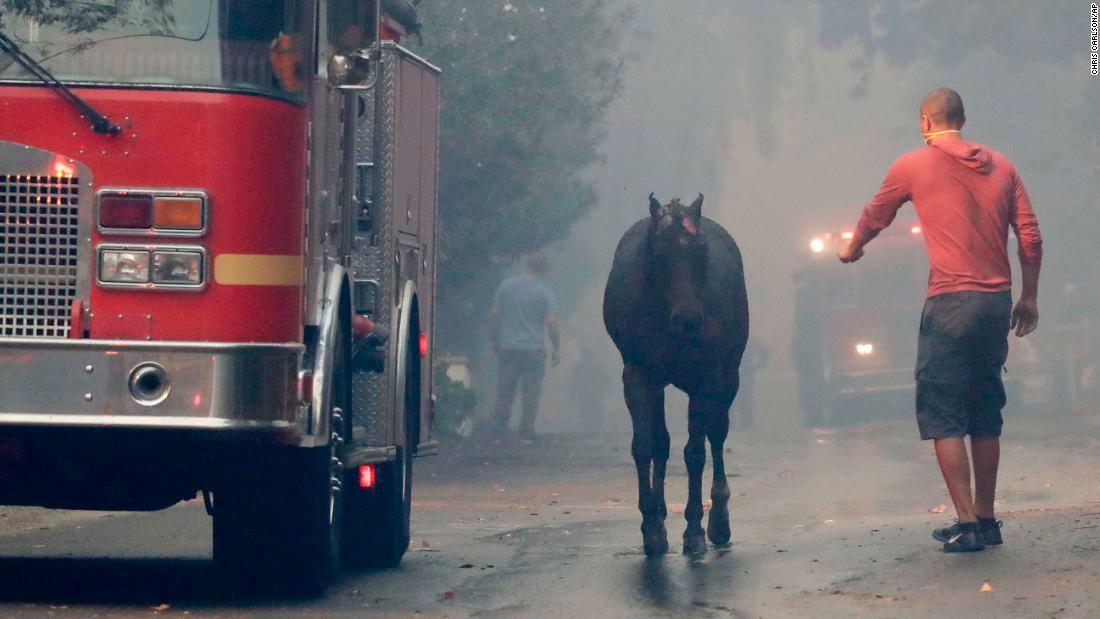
524	312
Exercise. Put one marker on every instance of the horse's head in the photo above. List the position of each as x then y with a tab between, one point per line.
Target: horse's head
678	255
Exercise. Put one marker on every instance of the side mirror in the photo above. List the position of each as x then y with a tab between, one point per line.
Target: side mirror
350	70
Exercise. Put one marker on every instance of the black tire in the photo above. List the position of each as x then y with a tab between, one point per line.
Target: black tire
280	528
377	521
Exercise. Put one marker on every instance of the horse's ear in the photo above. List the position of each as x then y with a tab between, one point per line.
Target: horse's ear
654	206
695	211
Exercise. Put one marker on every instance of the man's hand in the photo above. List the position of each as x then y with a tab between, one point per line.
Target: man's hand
555	358
851	253
1025	316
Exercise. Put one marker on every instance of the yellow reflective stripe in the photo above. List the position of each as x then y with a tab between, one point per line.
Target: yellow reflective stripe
257	270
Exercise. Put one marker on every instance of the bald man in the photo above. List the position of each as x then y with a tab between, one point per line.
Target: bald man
967	196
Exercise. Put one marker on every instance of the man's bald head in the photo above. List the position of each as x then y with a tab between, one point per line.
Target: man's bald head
944	107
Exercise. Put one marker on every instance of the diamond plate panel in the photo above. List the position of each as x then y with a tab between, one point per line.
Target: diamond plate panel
374	254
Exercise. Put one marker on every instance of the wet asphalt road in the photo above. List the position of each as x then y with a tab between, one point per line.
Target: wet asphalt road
825	524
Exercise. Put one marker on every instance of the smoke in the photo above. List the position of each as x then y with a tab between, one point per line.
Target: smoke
787	116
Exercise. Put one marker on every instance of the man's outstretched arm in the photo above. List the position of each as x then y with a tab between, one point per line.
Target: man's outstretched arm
879	212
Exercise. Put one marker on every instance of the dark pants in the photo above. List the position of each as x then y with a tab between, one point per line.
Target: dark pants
962	350
524	369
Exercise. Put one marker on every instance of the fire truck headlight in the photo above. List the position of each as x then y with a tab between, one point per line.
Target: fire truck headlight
123	267
181	268
817	246
865	349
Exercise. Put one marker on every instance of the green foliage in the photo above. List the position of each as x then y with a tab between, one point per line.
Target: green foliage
85	17
526	86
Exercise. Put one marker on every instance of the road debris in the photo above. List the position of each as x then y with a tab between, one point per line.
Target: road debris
938	510
987	588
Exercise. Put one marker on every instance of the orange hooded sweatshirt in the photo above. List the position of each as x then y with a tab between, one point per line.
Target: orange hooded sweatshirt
966	196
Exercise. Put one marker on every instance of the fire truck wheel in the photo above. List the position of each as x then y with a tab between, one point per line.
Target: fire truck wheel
376	532
282	532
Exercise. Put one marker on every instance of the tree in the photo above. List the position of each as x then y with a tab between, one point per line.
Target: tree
85	17
526	86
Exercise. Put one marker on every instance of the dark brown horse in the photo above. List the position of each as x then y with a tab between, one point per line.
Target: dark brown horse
676	308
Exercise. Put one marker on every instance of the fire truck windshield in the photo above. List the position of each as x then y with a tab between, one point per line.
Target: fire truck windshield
236	44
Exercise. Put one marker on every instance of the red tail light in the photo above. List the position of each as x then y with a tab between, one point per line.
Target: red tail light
423	344
129	211
366	476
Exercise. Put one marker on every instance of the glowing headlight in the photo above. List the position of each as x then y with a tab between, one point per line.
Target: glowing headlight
864	349
181	268
124	267
817	245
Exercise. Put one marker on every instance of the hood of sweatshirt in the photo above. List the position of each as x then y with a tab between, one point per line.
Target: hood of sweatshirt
971	154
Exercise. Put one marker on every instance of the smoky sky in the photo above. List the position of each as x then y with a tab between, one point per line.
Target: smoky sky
787	115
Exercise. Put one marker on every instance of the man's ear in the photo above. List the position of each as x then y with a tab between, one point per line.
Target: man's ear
962	121
654	206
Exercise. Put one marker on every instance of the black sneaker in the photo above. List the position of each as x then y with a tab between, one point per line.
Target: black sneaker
960	537
989	530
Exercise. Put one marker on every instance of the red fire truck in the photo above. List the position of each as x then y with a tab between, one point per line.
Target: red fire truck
855	329
855	326
210	212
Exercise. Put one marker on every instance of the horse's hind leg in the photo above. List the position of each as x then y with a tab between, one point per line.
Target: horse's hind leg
718	522
695	457
646	402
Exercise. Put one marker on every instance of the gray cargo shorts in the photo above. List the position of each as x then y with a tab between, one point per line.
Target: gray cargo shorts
961	352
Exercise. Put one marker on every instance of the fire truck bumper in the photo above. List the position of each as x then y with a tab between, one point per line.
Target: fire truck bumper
899	381
209	388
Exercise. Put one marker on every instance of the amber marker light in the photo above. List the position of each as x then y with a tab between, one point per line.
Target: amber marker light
177	213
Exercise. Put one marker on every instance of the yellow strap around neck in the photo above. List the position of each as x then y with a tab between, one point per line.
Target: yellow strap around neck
928	136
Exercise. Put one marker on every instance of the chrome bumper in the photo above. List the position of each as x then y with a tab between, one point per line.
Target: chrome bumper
211	386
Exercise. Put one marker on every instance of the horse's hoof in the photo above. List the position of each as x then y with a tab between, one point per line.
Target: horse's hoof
718	529
656	548
654	539
695	543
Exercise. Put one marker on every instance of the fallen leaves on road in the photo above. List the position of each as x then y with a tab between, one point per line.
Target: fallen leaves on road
466	566
425	547
161	608
938	510
987	588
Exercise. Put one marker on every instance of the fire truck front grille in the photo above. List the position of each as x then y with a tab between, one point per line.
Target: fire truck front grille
38	254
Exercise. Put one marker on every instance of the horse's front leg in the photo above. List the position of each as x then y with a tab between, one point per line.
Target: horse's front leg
718	425
695	457
646	402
